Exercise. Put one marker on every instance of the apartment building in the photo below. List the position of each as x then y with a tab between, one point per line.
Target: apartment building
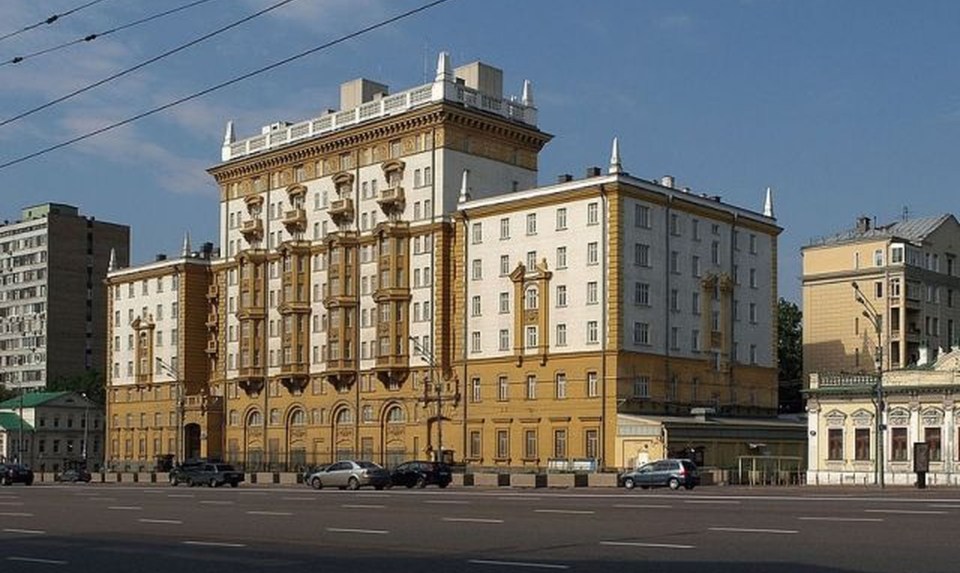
158	399
52	265
50	431
877	294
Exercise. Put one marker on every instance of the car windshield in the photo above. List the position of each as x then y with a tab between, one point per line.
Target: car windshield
225	468
367	465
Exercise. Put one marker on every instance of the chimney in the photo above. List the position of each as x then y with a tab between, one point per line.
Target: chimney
564	178
593	172
161	257
667	181
863	224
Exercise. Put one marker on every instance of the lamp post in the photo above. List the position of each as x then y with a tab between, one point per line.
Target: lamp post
178	382
20	435
86	427
427	357
876	319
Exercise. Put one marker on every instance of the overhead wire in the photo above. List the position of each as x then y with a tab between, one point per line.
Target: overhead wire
144	63
224	84
94	36
49	20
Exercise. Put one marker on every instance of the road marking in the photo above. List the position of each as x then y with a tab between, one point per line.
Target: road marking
102	498
855	519
518	564
362	506
447	502
15	514
35	560
185	495
519	497
213	544
154	490
641	506
167	521
753	530
906	511
11	503
269	513
945	505
125	507
350	530
297	498
252	492
210	502
25	531
650	545
720	501
471	520
568	511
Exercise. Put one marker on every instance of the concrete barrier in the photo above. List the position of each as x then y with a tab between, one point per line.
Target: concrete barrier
602	480
288	479
528	480
265	478
566	480
146	477
461	480
491	480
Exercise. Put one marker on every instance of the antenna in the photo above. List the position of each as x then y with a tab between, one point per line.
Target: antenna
906	213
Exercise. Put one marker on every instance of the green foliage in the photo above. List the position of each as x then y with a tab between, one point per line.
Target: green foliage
90	383
790	355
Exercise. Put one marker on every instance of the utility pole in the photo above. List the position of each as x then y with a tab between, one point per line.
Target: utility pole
178	382
876	320
428	357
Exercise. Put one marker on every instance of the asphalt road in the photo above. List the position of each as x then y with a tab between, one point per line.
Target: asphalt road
139	529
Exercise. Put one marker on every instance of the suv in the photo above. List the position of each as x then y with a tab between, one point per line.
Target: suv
671	473
205	473
15	473
421	474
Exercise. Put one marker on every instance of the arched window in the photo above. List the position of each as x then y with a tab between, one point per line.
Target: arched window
255	418
395	415
274	417
234	418
298	418
344	416
531	298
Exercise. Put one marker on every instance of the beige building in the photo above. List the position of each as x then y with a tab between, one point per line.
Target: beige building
393	283
49	431
901	277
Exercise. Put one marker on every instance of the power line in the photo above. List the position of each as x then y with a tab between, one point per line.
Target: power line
222	85
49	20
91	37
143	64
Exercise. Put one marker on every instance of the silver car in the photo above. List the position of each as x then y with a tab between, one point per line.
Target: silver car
350	474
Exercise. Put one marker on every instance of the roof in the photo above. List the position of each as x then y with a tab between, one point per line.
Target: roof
11	421
31	400
913	230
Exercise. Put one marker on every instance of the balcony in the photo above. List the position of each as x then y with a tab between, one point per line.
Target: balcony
294	307
251	313
211	347
213	320
252	230
213	292
391	200
391	293
295	220
341	210
341	373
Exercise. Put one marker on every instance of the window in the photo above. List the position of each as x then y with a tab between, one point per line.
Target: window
675	262
504	302
561	219
641	333
561	296
674	299
835	444
641	387
477	233
896	256
861	450
475	341
932	438
530	444
474	444
753	244
592	444
531	298
504	229
592	292
592	257
561	257
477	271
674	224
695	228
531	260
592	334
503	444
475	390
532	224
561	386
560	444
898	444
695	340
641	294
531	387
504	339
753	312
753	278
503	389
641	216
504	265
561	335
715	252
641	255
532	337
878	258
475	305
695	303
593	217
592	387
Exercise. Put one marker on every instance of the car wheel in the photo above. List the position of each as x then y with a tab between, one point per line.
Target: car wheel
213	482
378	487
674	483
234	483
28	482
6	481
644	487
421	482
353	484
315	483
629	483
688	486
443	484
174	482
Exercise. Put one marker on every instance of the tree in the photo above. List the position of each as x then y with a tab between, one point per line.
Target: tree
790	356
90	383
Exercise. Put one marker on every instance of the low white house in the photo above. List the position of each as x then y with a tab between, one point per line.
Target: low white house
49	430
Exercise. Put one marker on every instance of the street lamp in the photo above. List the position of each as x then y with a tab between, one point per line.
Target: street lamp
161	365
86	427
427	357
876	319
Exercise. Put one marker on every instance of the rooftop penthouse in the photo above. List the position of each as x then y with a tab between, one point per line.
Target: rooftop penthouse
476	85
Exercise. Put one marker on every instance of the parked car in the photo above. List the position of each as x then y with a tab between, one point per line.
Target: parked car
15	473
74	475
206	473
350	474
421	474
664	473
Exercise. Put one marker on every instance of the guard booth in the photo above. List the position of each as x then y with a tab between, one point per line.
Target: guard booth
921	463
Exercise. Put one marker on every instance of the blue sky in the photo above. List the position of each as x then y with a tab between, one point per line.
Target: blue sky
844	108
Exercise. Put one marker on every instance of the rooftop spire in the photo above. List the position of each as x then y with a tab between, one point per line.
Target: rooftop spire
444	68
464	188
229	136
768	204
615	166
112	265
186	245
527	93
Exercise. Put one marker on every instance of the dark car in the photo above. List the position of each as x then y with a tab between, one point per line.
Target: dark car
15	473
74	475
421	474
211	474
350	474
671	473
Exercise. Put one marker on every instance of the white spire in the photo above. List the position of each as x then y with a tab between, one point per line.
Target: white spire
186	245
229	137
444	68
615	166
527	93
768	204
112	265
464	189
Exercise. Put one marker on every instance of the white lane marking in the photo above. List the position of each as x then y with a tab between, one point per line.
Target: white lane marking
906	511
351	530
184	495
517	564
154	490
214	544
945	505
641	506
252	492
854	519
125	507
35	560
719	501
210	502
269	513
167	521
568	511
25	531
447	502
15	514
471	520
519	497
11	503
102	498
753	530
297	498
650	545
362	506
373	494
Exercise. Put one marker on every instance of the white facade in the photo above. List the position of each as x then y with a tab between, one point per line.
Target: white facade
23	303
